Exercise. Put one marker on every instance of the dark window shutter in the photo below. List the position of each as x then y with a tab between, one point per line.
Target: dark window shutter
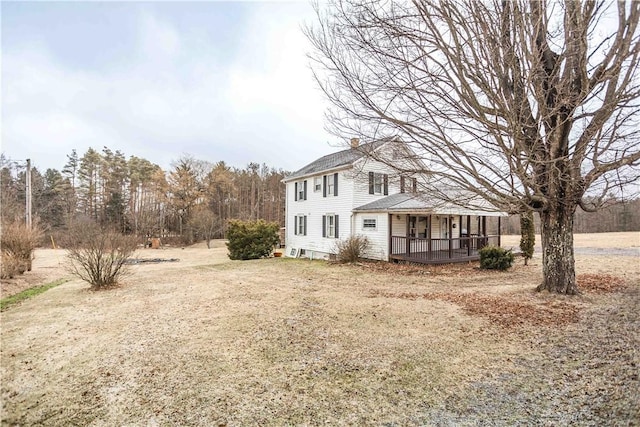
402	184
324	226
324	186
370	182
295	189
335	184
386	184
415	185
295	225
336	222
305	225
305	189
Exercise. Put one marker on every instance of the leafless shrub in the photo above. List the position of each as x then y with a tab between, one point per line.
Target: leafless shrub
18	243
351	249
99	256
10	266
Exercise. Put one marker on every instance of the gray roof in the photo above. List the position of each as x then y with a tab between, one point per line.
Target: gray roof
394	201
421	203
336	160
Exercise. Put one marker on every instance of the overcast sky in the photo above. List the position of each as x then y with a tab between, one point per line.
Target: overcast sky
220	81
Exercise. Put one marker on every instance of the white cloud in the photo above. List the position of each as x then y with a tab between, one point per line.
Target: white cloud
170	100
158	41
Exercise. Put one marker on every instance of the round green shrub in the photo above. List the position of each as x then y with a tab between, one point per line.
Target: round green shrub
251	239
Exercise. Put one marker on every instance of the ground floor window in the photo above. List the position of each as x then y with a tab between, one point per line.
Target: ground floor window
330	225
369	224
300	222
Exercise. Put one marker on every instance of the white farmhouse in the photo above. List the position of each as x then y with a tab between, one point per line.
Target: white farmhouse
348	193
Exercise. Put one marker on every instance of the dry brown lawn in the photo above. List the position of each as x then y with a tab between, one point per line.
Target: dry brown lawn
208	341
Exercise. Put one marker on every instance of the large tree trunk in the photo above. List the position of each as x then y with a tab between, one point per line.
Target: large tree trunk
558	262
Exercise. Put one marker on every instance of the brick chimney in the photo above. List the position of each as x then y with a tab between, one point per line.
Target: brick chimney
355	142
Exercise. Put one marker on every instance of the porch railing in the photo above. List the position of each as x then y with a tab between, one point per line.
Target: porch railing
424	249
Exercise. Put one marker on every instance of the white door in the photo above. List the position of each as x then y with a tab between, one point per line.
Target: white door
444	228
443	245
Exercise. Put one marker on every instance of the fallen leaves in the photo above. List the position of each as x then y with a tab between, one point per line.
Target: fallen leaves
415	269
600	283
504	311
593	283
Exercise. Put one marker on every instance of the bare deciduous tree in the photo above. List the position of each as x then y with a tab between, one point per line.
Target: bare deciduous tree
205	223
533	105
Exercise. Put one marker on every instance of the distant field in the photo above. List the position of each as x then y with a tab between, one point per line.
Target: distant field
208	341
630	239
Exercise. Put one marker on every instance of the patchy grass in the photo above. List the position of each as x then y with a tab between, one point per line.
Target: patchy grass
208	341
7	302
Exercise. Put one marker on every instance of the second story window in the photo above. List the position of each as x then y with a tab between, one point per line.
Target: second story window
413	182
378	183
317	184
300	189
330	185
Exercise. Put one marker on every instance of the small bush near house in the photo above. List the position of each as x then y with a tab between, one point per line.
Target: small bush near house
18	243
495	258
251	239
351	249
99	256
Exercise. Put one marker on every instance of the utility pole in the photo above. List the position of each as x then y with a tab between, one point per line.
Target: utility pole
28	194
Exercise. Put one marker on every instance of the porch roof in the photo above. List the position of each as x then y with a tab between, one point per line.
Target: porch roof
421	203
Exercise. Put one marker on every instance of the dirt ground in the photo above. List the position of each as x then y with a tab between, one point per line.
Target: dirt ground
209	341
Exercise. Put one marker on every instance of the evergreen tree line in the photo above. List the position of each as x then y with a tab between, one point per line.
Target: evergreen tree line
194	200
618	215
191	201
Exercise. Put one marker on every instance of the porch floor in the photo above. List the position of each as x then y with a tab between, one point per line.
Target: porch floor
438	257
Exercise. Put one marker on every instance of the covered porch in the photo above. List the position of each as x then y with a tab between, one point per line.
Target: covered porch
425	230
441	238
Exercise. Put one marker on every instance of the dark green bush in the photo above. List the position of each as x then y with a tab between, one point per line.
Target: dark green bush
251	239
495	258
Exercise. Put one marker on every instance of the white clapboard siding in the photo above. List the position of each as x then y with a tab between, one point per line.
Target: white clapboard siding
353	191
435	227
378	238
399	225
360	174
314	207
